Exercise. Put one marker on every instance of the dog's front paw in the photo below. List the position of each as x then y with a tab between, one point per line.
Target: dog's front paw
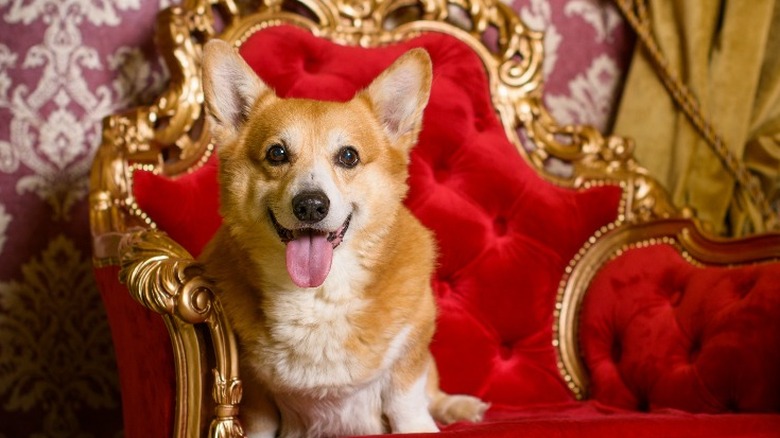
452	408
422	424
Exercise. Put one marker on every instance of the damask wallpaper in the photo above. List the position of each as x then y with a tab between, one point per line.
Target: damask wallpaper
64	65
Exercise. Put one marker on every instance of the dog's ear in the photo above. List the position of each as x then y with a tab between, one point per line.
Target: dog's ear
230	87
400	93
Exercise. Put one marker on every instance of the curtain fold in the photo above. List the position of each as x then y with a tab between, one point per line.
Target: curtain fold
727	52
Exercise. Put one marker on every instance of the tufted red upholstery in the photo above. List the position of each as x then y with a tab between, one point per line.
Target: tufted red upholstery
505	237
668	334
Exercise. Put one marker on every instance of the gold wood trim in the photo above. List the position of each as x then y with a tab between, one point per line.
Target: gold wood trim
188	362
163	277
167	137
610	242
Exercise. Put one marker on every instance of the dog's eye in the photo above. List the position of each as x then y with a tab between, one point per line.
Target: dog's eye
348	157
277	154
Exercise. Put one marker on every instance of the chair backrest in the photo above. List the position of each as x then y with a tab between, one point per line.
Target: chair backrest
514	238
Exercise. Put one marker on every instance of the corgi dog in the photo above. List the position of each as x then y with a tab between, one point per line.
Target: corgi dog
321	270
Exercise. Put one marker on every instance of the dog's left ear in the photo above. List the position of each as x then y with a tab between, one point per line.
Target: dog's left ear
400	93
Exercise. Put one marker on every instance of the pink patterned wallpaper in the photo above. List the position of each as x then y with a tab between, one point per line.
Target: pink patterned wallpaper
64	65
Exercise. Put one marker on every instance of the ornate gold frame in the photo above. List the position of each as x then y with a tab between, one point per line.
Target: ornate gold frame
170	137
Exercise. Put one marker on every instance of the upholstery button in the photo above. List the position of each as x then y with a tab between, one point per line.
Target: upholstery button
506	350
441	170
676	297
311	64
617	351
694	350
443	287
479	125
500	226
441	175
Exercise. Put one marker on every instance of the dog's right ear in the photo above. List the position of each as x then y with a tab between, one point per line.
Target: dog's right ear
230	87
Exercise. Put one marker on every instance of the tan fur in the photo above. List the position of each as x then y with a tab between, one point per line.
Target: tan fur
362	336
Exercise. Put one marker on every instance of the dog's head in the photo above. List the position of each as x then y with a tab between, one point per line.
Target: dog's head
305	175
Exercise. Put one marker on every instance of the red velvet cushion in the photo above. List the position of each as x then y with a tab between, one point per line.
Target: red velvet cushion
505	235
591	419
185	207
144	358
659	332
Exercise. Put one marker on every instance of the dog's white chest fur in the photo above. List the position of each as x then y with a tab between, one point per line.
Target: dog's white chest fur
305	349
320	388
358	412
320	385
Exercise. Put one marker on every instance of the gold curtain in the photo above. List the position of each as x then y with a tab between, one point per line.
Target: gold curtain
727	52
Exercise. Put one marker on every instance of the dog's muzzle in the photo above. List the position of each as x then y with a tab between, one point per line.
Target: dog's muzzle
286	235
309	251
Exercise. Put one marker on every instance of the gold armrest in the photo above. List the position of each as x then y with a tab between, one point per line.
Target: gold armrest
682	234
165	278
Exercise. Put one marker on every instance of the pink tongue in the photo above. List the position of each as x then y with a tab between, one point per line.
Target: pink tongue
308	259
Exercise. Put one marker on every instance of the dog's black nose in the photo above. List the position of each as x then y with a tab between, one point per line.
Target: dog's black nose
310	207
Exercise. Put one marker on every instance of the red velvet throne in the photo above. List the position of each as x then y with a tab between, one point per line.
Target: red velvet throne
579	303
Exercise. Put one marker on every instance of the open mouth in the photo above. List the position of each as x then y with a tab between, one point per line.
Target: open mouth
309	251
287	235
